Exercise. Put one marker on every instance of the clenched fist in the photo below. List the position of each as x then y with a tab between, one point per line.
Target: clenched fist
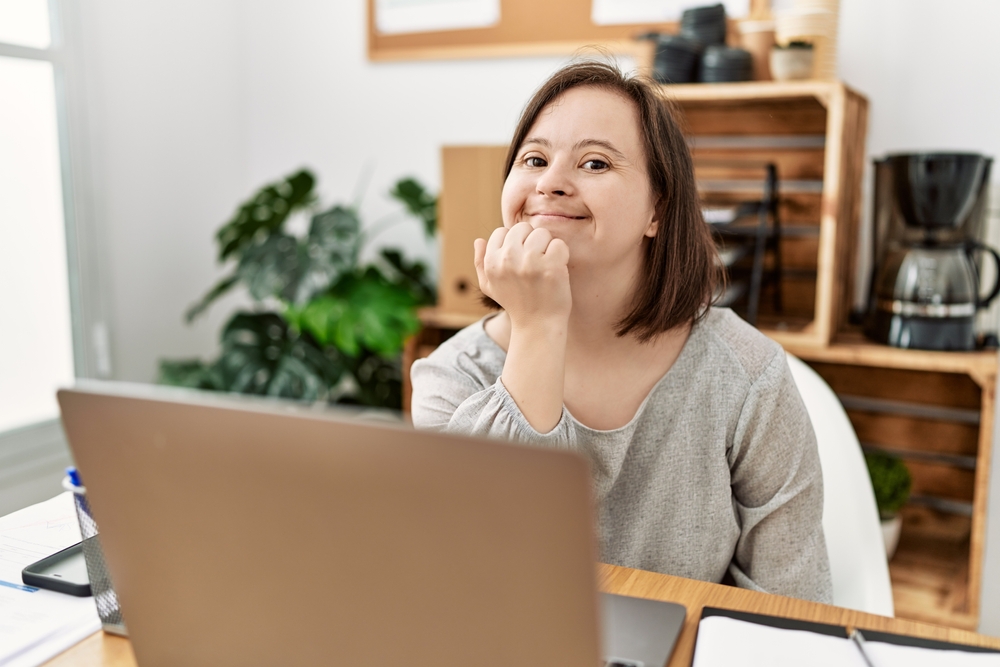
526	271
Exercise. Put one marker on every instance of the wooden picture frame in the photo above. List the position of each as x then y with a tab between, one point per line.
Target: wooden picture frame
526	28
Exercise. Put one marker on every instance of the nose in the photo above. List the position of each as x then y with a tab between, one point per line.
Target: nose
555	180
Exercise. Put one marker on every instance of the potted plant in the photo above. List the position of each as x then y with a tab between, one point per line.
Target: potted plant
891	482
325	325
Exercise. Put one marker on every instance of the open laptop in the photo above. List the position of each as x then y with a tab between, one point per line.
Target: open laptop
245	532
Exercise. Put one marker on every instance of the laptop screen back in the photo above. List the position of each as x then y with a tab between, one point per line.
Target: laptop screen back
243	534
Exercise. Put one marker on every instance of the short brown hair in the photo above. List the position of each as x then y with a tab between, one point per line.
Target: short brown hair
681	270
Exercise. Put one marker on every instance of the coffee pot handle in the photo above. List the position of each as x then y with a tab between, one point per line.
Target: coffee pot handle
982	302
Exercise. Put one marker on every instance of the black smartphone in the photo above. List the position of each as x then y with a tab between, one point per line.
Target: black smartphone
64	571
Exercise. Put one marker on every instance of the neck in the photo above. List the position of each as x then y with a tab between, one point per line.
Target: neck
599	303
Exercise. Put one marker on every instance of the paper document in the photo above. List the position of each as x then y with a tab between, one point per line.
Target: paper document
402	16
612	12
37	624
726	641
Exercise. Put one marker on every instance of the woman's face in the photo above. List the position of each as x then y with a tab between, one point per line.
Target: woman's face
581	174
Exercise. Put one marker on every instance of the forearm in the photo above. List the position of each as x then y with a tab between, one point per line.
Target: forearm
535	371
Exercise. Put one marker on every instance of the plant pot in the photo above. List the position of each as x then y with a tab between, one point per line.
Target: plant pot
791	63
890	534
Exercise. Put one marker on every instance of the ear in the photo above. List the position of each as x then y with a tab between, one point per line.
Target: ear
651	229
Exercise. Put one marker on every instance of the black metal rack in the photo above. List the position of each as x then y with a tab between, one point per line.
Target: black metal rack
746	233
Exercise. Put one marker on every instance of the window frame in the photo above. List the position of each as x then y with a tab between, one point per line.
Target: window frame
30	454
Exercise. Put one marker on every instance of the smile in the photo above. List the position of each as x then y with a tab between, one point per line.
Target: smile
564	216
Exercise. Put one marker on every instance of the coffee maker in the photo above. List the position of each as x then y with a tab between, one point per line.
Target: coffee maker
929	217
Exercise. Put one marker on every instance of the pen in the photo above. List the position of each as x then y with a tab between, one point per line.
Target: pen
859	641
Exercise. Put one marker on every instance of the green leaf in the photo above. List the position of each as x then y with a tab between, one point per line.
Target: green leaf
361	312
891	482
272	267
331	250
218	290
418	201
265	212
261	355
191	373
379	381
412	276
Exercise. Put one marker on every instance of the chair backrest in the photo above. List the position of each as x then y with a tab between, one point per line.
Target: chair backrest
850	517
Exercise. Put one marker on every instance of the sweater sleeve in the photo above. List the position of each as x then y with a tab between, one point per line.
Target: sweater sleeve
777	488
456	390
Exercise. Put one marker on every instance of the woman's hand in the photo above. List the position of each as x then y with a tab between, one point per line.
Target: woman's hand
526	271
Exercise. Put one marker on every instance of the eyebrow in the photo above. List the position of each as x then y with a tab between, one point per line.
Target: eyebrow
583	143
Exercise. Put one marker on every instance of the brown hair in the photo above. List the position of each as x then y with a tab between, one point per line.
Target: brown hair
680	271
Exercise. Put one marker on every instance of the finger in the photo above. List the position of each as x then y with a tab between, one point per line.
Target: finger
558	251
496	239
538	240
479	250
518	233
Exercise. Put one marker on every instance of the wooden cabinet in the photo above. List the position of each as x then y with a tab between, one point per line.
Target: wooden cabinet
933	409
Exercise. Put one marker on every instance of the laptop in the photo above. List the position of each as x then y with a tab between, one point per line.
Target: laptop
244	532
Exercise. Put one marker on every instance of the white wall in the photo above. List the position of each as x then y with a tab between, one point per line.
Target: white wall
168	154
199	103
313	98
929	69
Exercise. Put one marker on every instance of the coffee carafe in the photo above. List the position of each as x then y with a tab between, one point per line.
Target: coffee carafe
929	215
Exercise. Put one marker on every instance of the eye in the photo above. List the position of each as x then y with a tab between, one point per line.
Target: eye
534	161
595	165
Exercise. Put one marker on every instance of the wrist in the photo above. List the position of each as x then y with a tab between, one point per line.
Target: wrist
539	327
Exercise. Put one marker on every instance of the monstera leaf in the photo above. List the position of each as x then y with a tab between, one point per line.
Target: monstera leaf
379	381
418	201
265	212
190	373
272	267
330	251
411	275
365	311
278	265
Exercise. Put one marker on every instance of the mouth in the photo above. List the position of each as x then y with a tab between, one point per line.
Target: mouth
553	215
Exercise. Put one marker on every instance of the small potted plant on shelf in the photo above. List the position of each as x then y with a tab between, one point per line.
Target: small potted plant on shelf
891	482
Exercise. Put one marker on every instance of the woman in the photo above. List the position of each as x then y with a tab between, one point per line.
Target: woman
704	460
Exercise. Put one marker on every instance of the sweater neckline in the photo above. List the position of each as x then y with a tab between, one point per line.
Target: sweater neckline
682	358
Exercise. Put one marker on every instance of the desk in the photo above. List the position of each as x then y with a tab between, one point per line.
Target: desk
101	650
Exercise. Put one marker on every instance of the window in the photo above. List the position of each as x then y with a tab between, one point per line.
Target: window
37	333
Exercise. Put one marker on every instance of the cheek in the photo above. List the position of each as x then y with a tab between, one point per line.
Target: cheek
512	199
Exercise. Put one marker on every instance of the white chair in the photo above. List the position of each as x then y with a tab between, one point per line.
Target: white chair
850	517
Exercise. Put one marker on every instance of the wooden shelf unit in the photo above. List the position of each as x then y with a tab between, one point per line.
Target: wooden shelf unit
935	410
814	133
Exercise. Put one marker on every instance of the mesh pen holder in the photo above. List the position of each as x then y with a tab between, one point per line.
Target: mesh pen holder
108	608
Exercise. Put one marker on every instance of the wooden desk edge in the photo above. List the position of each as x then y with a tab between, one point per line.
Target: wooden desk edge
695	595
102	650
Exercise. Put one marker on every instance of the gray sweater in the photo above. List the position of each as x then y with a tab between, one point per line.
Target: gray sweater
717	473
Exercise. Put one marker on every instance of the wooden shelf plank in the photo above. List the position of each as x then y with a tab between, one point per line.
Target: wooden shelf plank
853	348
930	570
432	317
752	90
850	348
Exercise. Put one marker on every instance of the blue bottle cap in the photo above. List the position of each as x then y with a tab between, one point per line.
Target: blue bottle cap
74	476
